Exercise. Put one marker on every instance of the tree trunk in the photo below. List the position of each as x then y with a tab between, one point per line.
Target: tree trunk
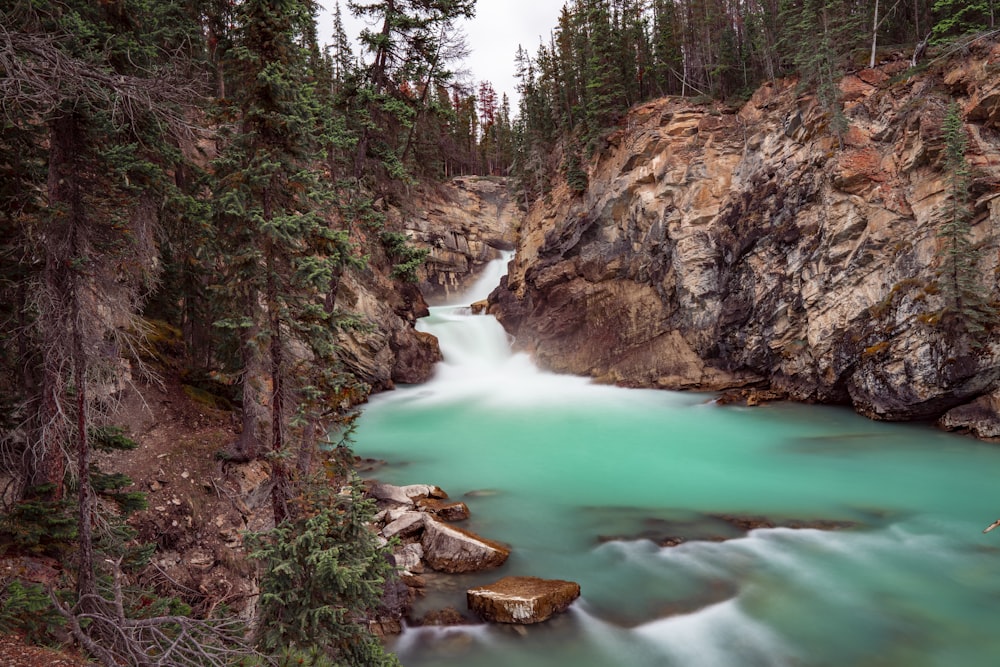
65	212
279	473
871	61
248	444
86	584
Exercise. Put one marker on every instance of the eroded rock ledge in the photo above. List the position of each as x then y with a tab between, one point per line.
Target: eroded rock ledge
522	600
720	248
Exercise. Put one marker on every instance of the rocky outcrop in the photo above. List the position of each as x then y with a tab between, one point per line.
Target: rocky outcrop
417	515
388	349
522	600
453	550
719	248
980	418
463	224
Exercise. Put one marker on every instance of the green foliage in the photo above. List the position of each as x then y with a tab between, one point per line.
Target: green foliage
39	526
110	439
956	18
966	298
573	170
27	608
323	573
405	257
819	35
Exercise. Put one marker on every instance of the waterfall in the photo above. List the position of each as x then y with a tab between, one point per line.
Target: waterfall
586	481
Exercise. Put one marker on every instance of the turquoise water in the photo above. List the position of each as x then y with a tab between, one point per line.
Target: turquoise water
576	477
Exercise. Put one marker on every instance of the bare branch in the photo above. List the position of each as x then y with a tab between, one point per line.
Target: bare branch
103	628
38	77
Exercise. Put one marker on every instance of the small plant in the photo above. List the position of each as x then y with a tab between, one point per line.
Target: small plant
576	177
38	526
27	608
323	574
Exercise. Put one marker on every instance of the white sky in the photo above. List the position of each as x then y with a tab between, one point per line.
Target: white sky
493	36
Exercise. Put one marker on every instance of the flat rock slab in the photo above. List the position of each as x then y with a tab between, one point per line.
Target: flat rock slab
404	495
453	550
522	600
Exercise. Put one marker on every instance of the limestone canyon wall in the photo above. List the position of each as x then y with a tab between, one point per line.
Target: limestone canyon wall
463	223
719	247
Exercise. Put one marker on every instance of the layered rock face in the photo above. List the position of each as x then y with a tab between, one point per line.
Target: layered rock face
718	248
464	224
386	349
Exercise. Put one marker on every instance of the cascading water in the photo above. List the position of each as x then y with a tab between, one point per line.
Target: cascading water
583	481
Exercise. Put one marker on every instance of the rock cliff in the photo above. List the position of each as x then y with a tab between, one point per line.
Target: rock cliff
464	224
719	247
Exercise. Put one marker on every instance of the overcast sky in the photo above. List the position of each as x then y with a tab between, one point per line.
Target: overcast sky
493	36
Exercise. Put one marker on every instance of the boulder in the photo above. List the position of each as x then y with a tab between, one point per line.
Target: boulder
418	491
417	353
450	549
522	600
981	417
409	558
404	495
407	525
446	511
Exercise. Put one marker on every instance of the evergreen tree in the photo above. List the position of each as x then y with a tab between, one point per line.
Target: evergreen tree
820	34
323	576
409	56
955	18
94	80
278	254
966	299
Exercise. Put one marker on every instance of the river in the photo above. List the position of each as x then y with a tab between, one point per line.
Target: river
584	481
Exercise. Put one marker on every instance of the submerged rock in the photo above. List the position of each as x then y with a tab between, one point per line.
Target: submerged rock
450	549
446	511
718	528
449	616
522	600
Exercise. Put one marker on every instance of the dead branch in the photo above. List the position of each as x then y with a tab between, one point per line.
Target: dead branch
103	628
38	77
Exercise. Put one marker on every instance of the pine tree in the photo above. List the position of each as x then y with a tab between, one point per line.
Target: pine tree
955	18
93	79
820	34
280	255
966	299
323	575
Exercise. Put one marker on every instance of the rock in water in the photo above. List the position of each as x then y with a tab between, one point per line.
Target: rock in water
450	549
407	525
522	600
444	510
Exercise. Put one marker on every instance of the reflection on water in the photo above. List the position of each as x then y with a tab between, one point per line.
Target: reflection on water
585	482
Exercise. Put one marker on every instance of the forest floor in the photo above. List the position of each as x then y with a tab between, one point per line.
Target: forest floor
16	652
195	515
